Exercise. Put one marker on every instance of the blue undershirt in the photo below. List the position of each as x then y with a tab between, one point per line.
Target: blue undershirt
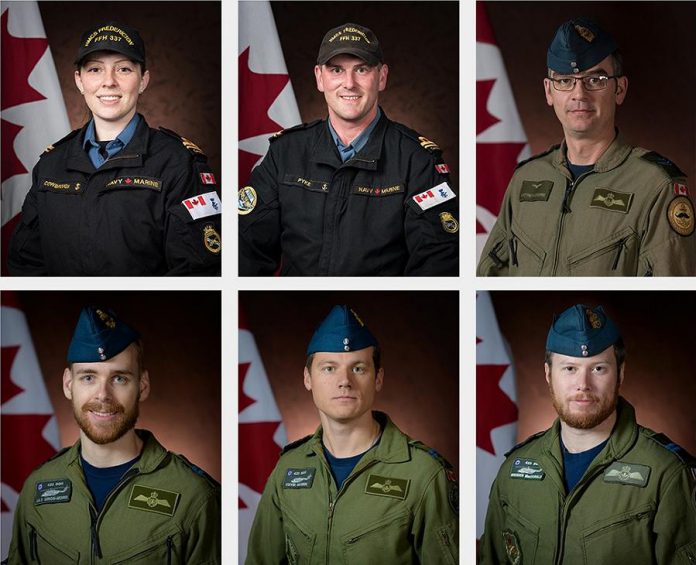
577	170
348	151
101	480
100	152
342	467
575	464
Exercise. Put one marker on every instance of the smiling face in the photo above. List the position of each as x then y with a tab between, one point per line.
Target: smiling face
351	88
344	385
111	84
586	114
105	396
584	390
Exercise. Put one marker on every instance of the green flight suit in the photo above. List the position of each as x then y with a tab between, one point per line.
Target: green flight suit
399	505
164	510
631	215
635	504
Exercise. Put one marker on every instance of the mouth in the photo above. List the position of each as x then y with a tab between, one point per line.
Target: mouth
109	98
351	98
102	416
344	398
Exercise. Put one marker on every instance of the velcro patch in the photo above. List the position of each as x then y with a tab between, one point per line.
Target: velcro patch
203	205
528	469
58	186
387	486
612	200
681	189
680	215
299	478
211	239
449	222
152	499
135	182
442	168
247	200
377	191
535	190
512	547
434	196
207	178
52	491
627	474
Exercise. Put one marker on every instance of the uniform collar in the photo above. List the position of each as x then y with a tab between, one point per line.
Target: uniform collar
617	152
349	151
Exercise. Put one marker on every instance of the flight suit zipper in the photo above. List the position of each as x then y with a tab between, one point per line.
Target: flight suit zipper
565	209
33	554
170	547
621	245
513	251
493	254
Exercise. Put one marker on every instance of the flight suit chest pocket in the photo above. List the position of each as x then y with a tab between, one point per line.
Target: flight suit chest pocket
44	549
369	544
299	540
164	548
302	181
61	186
133	182
620	539
525	257
616	255
519	536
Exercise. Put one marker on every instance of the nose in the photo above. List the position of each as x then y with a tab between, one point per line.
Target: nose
109	77
579	90
103	392
349	80
344	380
583	380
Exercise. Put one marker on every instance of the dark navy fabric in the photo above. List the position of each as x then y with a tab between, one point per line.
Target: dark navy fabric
101	480
342	467
99	335
341	330
575	464
577	170
582	331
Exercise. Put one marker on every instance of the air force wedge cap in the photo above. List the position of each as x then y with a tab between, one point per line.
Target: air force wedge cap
99	335
342	330
582	331
579	45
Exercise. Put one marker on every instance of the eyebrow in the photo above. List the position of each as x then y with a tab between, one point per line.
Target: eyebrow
90	371
125	59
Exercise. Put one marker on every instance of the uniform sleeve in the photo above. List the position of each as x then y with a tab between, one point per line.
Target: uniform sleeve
25	257
495	255
19	545
203	536
432	233
436	521
675	520
192	237
259	220
668	247
266	544
490	550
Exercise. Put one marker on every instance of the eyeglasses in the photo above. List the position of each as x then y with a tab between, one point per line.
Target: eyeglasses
590	82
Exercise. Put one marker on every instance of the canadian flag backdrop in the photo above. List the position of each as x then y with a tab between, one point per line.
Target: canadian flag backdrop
33	111
29	428
500	138
261	431
496	403
266	100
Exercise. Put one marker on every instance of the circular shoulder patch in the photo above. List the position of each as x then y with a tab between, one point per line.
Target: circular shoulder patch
449	223
680	214
211	239
247	200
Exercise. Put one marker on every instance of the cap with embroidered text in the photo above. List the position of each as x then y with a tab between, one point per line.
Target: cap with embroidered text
112	36
351	39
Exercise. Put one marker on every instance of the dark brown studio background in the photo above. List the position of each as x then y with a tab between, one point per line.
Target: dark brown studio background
658	41
420	41
181	337
182	47
658	330
418	333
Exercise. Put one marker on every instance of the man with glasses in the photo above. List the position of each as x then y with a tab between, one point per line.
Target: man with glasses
593	205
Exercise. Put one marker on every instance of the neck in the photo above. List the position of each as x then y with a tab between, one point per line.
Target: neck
348	130
586	151
111	454
107	130
345	439
577	440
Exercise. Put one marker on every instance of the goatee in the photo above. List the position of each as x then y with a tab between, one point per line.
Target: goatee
112	430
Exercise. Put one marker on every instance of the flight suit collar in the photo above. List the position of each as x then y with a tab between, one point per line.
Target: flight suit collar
325	152
617	152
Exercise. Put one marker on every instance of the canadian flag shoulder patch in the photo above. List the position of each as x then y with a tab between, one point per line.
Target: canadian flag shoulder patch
434	196
203	205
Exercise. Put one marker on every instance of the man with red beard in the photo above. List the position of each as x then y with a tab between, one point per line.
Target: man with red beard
116	495
596	487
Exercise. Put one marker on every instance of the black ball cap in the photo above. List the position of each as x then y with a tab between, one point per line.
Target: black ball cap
351	39
112	36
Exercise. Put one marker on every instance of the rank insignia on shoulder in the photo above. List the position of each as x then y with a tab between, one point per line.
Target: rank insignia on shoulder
299	478
49	148
434	196
442	168
152	499
427	144
203	205
52	491
668	166
211	239
680	214
528	469
247	199
387	486
627	474
191	146
449	222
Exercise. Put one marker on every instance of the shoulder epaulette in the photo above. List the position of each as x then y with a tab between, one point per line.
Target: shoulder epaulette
295	444
526	441
678	450
424	142
432	452
54	456
670	168
298	127
68	137
187	143
537	156
197	470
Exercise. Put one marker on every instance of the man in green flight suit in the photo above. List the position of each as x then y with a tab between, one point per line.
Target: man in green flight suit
596	487
593	205
358	490
117	495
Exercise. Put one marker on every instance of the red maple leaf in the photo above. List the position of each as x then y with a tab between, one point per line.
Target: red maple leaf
23	446
244	400
9	388
258	453
493	407
11	165
484	119
19	57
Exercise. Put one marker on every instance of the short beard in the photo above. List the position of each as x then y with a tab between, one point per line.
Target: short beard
108	432
587	420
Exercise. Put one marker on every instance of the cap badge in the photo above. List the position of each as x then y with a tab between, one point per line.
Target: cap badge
107	320
593	318
585	33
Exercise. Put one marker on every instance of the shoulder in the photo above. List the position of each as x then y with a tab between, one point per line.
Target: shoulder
543	157
419	143
657	164
174	142
295	444
295	132
192	474
61	143
529	443
431	457
53	468
659	446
